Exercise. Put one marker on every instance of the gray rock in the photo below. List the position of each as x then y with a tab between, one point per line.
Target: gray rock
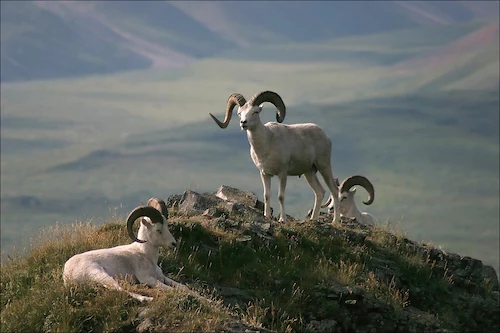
213	212
490	274
245	212
193	203
146	322
244	238
243	198
145	325
233	296
326	325
228	193
173	200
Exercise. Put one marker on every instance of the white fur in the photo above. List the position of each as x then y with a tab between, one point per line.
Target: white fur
135	260
289	150
349	209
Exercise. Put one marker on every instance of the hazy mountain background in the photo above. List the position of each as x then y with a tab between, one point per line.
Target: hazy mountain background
105	104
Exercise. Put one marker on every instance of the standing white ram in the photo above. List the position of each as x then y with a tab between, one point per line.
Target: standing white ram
138	260
284	150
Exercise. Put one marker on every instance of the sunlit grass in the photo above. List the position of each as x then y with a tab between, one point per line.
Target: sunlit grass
285	278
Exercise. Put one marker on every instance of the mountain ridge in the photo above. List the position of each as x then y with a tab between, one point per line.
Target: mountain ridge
121	36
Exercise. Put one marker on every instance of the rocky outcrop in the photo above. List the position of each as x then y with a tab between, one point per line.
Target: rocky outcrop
228	203
355	309
223	203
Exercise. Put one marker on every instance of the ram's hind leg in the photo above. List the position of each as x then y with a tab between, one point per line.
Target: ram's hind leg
327	174
281	196
319	192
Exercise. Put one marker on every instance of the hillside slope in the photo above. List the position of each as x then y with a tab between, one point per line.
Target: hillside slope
50	39
470	62
256	274
40	44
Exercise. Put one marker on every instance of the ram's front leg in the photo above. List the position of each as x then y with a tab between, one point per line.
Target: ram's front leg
172	283
266	182
167	282
281	196
156	281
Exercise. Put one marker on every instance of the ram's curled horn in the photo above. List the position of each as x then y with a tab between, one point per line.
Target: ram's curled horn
271	97
327	202
234	99
349	182
159	205
152	213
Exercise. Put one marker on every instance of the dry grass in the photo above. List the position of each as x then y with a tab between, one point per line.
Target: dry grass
283	281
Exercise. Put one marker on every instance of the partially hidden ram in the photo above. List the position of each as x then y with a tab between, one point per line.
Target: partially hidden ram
347	205
284	150
138	260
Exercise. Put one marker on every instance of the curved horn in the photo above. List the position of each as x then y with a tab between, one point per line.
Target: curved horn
349	182
327	202
234	99
159	205
148	211
271	97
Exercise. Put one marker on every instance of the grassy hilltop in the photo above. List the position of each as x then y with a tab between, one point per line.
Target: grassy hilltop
105	104
263	276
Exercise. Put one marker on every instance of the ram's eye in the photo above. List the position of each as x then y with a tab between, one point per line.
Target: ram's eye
343	198
255	112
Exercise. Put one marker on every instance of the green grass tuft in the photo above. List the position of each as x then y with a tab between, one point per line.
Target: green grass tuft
305	272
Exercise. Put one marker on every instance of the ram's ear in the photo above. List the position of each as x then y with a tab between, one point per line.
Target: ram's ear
261	107
353	191
146	221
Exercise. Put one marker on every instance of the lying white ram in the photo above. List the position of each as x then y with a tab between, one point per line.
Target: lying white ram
284	150
138	260
347	205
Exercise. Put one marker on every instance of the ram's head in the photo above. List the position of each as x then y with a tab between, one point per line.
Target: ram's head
347	192
154	224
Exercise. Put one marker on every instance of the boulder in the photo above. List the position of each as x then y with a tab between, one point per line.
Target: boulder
193	203
232	194
242	198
